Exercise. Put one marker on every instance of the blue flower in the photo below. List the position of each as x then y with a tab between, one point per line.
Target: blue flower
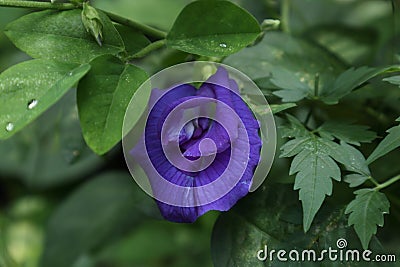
200	148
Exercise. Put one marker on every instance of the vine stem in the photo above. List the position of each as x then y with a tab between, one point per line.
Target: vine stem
285	14
373	180
147	30
388	183
151	47
36	4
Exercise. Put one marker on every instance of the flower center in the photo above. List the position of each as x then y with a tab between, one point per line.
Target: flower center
193	131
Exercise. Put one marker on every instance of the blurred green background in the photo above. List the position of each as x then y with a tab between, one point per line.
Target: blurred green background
59	200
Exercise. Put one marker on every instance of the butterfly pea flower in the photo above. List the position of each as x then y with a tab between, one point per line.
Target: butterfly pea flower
200	147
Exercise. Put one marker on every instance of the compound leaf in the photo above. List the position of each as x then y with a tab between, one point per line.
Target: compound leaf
349	80
315	168
349	133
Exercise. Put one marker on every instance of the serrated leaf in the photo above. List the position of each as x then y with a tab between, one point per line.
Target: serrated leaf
103	97
388	144
349	133
351	158
355	180
222	28
293	55
87	218
293	88
30	88
366	212
258	221
294	128
61	36
315	168
349	80
393	80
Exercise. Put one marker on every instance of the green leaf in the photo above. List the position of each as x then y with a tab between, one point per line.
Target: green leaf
351	158
51	149
31	87
349	133
103	97
299	68
259	220
294	128
315	168
349	80
134	40
61	36
388	144
221	28
393	80
355	180
366	212
293	88
101	210
277	52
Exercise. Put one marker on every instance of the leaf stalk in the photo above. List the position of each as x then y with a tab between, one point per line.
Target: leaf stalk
387	183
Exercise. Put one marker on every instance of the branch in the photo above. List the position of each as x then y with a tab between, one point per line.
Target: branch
38	5
388	183
147	30
151	47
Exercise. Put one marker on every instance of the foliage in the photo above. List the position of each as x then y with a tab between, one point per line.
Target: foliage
332	82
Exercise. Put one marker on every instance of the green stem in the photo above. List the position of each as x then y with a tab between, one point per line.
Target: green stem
316	85
150	31
285	14
151	47
387	183
309	114
372	179
38	5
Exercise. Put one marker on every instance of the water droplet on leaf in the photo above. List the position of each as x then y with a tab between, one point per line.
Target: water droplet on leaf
223	45
9	127
32	104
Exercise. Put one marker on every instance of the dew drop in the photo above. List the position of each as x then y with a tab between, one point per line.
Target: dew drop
32	104
9	127
223	45
70	74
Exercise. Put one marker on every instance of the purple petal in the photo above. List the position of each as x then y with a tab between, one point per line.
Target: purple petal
243	130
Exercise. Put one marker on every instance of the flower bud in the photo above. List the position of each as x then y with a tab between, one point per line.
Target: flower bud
92	22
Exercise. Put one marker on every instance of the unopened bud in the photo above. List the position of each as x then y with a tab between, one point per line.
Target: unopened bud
92	22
